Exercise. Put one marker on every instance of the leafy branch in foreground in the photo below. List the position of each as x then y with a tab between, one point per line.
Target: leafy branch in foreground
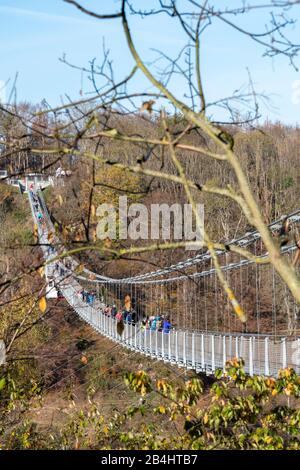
235	411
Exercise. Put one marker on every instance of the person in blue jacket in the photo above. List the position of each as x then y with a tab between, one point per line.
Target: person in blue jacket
166	325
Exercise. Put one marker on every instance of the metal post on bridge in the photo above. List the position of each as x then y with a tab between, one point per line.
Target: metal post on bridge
132	335
111	326
193	351
251	356
237	347
230	347
184	348
176	347
144	348
267	369
202	352
213	364
156	343
140	338
242	347
224	352
283	349
99	320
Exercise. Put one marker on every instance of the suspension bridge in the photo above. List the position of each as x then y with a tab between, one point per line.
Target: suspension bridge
206	333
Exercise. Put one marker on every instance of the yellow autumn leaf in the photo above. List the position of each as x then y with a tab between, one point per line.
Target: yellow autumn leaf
80	268
105	430
93	210
35	232
60	199
41	271
43	305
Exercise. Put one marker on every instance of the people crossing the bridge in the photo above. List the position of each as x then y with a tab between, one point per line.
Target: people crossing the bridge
167	325
192	338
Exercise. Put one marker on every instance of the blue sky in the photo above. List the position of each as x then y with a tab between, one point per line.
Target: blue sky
35	33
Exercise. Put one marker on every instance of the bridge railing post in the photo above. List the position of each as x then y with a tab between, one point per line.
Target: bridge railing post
169	346
298	355
184	348
140	338
224	352
242	346
202	352
101	320
251	356
237	347
283	352
156	343
193	351
162	345
108	326
267	369
98	320
230	347
111	326
213	364
176	347
132	337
